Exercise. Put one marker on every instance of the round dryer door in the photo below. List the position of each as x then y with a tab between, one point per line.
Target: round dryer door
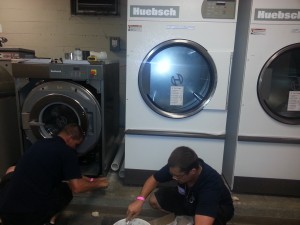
177	78
51	105
278	86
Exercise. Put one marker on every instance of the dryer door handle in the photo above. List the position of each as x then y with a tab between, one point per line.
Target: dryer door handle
28	124
36	124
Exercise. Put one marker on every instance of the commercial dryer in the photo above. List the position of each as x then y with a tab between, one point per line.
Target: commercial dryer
178	68
263	144
51	95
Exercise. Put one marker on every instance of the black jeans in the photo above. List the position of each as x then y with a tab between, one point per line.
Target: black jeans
225	213
60	198
170	200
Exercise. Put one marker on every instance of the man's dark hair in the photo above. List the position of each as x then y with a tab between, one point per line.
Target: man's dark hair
74	130
183	158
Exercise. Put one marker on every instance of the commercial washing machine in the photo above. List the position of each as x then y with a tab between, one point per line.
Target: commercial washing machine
263	144
51	95
177	77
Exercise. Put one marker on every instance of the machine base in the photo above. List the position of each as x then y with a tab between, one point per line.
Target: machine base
137	177
266	186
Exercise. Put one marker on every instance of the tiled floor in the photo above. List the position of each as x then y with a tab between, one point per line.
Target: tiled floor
104	207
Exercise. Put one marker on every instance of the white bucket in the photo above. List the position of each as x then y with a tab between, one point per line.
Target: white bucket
135	221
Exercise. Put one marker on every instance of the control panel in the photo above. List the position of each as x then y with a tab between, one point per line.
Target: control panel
75	71
91	74
218	9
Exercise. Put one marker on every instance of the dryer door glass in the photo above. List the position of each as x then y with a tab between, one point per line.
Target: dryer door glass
279	85
177	78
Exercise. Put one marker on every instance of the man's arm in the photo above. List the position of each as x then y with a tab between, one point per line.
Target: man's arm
135	207
85	184
149	185
204	220
10	169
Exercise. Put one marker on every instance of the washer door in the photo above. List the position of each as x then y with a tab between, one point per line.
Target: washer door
51	105
177	78
278	86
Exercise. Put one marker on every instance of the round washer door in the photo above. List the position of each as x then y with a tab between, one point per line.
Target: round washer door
51	105
177	78
278	87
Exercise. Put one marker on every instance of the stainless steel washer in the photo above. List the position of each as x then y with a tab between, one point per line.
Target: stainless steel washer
51	95
51	105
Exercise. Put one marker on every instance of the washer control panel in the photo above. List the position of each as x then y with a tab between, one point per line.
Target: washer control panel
75	72
212	9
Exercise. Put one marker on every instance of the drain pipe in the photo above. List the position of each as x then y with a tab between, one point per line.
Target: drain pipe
118	158
122	170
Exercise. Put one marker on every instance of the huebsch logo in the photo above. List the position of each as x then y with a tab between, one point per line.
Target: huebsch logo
154	11
277	14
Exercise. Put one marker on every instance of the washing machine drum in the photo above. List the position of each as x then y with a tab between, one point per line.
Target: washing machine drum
51	105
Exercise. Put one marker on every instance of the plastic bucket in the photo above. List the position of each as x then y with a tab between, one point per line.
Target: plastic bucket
135	221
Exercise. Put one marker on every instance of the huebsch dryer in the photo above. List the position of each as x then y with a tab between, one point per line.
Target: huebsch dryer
262	149
177	78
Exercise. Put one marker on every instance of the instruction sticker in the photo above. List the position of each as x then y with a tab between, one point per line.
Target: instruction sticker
294	101
176	95
137	28
258	31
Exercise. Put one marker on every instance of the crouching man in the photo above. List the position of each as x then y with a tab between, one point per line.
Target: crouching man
44	180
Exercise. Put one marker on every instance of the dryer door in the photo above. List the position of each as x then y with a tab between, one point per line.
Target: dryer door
51	105
177	78
278	86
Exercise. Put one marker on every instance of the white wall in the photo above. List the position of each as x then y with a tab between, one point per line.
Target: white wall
48	27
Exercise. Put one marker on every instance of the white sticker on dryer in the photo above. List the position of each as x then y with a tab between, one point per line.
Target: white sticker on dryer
294	101
176	95
135	28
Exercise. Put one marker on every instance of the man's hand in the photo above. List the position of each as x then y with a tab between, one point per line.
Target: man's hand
134	209
85	184
102	182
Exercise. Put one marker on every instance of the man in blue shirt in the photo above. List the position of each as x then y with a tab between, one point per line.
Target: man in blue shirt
44	179
200	191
